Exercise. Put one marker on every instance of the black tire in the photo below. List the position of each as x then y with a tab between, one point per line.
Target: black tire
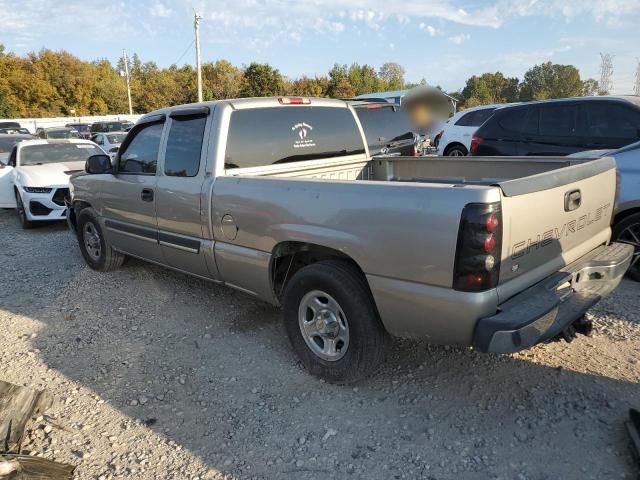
97	252
456	151
22	214
627	230
367	338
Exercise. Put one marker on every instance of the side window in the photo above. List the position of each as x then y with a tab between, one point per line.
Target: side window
267	136
98	140
141	153
607	119
184	146
512	119
482	116
560	120
466	120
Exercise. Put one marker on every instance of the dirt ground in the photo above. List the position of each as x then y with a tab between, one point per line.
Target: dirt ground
157	375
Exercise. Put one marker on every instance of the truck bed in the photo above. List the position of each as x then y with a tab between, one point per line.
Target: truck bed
436	170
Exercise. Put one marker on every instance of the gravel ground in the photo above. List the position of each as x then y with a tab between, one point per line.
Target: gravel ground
157	375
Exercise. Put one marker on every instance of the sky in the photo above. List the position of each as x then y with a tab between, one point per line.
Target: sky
442	41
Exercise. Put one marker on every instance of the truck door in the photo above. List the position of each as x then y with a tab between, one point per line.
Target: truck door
180	195
128	198
7	198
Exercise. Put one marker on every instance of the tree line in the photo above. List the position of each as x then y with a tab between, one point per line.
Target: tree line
56	83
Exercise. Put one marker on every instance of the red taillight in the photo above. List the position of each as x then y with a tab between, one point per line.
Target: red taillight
489	244
371	106
475	143
492	223
294	101
479	247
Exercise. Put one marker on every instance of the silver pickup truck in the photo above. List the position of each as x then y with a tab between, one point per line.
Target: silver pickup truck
278	198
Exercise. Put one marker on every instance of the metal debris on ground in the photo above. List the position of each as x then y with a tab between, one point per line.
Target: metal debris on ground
18	405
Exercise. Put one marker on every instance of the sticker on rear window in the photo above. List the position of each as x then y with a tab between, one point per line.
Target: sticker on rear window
302	131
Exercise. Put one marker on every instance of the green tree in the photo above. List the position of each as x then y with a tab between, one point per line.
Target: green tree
489	88
309	87
392	74
550	80
221	80
262	80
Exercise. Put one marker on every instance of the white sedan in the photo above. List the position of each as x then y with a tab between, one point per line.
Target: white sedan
109	141
34	177
455	138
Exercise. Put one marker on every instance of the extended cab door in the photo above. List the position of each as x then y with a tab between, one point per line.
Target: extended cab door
180	195
128	197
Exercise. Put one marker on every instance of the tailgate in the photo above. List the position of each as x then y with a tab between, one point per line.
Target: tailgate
552	219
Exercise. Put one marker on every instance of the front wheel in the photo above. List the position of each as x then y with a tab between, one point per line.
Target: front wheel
628	231
332	322
96	251
22	213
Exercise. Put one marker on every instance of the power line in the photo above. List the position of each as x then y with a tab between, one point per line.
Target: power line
185	52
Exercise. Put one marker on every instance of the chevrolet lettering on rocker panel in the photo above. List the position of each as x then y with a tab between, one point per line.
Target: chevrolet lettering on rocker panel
279	198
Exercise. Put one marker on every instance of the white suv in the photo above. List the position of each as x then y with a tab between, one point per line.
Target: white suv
455	138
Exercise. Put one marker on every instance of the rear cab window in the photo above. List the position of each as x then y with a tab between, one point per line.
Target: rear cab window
384	124
275	135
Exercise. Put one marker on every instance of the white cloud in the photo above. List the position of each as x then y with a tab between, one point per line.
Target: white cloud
430	29
160	10
459	39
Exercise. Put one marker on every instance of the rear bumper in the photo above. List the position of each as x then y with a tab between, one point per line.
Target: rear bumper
544	310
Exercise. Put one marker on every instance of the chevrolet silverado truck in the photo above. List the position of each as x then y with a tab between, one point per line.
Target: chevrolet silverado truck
279	198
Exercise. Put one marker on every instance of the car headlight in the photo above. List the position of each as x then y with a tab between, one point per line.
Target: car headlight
37	189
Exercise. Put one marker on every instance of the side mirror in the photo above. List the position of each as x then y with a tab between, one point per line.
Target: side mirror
97	164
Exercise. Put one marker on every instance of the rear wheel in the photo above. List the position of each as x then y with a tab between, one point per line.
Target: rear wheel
22	214
96	251
456	151
628	231
332	322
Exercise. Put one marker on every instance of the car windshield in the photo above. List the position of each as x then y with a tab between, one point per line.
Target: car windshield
115	138
62	134
80	128
6	144
57	153
113	126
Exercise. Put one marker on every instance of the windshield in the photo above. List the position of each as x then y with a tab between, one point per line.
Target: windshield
115	138
113	126
80	128
62	134
6	144
57	153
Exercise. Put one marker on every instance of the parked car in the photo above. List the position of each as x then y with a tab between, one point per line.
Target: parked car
454	139
354	248
8	141
113	126
13	130
560	127
12	125
387	128
110	142
626	224
58	133
83	129
34	177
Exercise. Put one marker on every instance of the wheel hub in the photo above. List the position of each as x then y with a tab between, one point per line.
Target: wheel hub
323	325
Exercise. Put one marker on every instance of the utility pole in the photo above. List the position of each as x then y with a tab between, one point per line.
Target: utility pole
636	87
126	74
606	73
196	26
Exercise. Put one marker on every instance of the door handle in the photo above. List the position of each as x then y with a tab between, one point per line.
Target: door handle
147	194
